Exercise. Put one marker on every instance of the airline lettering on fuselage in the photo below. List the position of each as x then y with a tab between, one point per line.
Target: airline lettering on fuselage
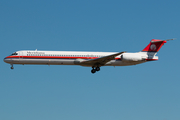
36	52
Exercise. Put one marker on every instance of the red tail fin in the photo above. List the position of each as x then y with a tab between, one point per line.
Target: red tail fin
154	45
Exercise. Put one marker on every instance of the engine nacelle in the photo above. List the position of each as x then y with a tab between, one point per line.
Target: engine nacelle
131	57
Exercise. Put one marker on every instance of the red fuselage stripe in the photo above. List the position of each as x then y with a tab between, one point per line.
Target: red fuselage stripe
151	59
62	57
54	57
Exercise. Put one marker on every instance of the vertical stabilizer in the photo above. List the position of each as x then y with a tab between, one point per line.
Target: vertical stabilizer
152	48
154	45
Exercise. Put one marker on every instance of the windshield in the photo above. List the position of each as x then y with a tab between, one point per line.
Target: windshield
15	53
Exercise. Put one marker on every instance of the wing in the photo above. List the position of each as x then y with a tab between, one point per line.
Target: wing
100	61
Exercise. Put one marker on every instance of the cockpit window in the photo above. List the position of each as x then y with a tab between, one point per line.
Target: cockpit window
15	53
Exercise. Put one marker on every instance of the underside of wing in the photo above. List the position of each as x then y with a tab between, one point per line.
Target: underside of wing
100	61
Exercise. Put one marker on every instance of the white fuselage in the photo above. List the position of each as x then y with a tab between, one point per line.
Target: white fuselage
72	58
89	59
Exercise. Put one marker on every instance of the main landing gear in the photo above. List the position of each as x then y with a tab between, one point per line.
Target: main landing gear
12	67
95	69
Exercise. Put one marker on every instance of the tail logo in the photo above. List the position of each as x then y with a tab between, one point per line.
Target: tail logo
153	47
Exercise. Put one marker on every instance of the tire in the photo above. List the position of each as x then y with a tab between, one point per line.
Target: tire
93	71
97	68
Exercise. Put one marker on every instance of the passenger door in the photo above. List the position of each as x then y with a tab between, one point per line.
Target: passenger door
20	55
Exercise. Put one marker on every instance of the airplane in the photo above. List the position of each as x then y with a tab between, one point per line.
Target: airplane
88	59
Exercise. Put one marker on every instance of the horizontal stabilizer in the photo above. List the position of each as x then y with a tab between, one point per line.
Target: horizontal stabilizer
155	41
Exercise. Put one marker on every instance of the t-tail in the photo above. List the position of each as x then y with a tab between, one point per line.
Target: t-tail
153	47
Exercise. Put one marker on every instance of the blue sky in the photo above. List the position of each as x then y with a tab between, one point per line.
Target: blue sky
146	91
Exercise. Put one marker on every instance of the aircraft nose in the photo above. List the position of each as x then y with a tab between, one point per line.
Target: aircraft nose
6	60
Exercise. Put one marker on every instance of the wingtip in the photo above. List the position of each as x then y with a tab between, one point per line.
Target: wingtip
122	52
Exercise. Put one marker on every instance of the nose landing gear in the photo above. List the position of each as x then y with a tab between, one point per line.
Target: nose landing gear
12	67
95	69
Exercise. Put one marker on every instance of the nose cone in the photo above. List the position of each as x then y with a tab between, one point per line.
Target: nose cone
7	60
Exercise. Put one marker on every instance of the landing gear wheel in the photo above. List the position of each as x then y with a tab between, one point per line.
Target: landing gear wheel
93	71
12	67
97	68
